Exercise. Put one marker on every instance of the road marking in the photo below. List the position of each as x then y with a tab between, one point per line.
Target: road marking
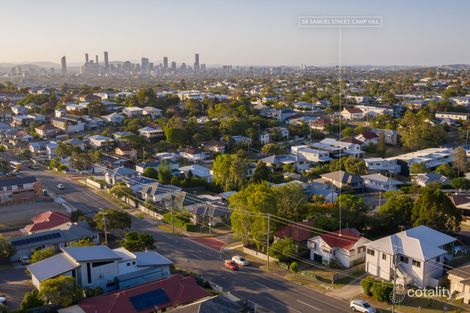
285	305
309	305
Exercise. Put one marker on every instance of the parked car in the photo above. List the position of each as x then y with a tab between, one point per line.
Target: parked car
362	306
240	260
231	265
3	300
24	259
60	186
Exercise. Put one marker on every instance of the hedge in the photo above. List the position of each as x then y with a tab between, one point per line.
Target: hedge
179	222
379	290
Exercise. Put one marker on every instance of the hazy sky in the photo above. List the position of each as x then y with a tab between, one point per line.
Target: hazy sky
241	32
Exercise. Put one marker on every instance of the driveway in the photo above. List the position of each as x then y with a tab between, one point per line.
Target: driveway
14	282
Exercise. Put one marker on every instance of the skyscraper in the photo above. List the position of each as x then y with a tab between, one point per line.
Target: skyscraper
87	60
173	66
196	62
165	64
63	61
145	66
106	62
96	58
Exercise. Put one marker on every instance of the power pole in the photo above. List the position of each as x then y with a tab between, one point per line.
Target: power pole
105	229
267	240
394	293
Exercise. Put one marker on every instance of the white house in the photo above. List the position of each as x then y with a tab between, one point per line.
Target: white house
264	138
370	110
345	246
431	157
425	179
380	182
382	165
337	148
114	118
309	154
240	139
352	114
151	132
157	192
99	141
193	154
69	123
419	255
455	116
133	112
13	187
99	266
153	112
197	171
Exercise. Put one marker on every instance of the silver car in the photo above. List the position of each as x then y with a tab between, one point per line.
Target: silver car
362	306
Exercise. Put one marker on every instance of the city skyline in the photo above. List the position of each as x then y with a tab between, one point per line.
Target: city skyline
260	33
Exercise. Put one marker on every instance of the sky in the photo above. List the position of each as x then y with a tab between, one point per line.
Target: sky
238	32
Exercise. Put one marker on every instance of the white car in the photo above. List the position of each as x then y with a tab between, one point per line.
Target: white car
60	186
24	260
240	260
362	306
3	300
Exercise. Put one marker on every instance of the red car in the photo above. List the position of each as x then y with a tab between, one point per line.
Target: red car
231	265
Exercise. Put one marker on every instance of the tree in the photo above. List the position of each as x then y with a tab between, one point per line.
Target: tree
6	249
114	220
262	172
353	210
348	132
249	208
164	172
283	249
86	242
31	299
434	209
445	170
417	132
270	149
42	254
291	201
418	168
76	215
397	209
177	136
121	190
355	166
381	148
460	183
460	160
230	171
62	291
150	172
134	241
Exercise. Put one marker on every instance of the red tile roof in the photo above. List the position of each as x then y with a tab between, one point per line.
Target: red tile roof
47	220
297	232
344	238
353	110
179	289
369	135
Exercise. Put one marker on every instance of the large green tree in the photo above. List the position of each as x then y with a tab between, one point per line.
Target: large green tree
434	209
397	209
114	220
353	210
460	160
230	171
6	249
135	241
418	132
42	254
249	208
262	172
291	201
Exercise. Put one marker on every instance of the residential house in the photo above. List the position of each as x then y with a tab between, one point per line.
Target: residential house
157	192
425	179
133	112
264	138
431	157
197	171
320	189
382	165
37	147
380	182
69	123
46	221
241	140
352	114
459	279
418	254
114	118
390	136
56	238
283	114
346	247
193	154
298	232
453	116
100	266
19	110
120	174
309	154
462	202
75	143
151	132
214	146
320	125
339	148
155	296
51	149
369	110
342	179
277	162
98	141
22	120
17	188
126	151
368	138
154	113
46	131
208	214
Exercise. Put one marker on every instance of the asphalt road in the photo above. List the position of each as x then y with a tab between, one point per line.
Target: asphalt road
265	289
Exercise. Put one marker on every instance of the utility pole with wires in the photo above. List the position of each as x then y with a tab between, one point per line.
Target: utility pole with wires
267	241
105	229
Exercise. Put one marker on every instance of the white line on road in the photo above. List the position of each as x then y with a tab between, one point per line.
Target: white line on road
309	305
282	304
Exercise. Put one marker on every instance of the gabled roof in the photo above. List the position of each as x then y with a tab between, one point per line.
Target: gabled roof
166	293
91	253
12	181
343	176
52	267
353	110
47	220
428	178
295	231
368	135
421	243
345	238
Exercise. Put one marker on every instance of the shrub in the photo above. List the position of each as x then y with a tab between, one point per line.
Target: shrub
366	285
294	267
191	227
381	291
31	300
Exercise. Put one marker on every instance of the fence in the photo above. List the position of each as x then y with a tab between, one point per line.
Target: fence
152	213
94	183
259	255
349	272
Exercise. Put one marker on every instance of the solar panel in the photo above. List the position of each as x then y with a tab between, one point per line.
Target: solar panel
33	239
151	299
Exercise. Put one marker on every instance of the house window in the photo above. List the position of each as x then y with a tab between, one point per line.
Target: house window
9	188
128	264
416	263
88	272
371	252
133	262
384	256
404	259
20	187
